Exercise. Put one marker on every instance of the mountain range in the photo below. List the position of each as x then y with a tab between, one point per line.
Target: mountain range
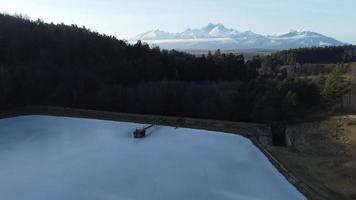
217	36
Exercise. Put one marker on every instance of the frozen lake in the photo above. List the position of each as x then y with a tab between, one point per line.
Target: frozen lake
58	158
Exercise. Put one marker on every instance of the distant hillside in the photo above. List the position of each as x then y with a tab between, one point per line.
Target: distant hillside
248	54
317	55
217	36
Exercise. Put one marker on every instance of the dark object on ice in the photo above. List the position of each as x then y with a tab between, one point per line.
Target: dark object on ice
139	133
278	134
180	122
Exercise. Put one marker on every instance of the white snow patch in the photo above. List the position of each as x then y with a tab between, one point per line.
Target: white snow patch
186	40
321	43
60	158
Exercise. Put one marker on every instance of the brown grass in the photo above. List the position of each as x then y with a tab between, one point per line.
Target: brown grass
324	155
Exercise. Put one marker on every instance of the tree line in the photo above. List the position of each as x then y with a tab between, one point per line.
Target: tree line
61	65
328	54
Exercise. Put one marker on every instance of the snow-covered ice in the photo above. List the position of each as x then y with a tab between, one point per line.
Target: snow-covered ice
59	158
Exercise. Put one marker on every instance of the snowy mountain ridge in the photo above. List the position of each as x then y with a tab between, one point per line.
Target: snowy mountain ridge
217	36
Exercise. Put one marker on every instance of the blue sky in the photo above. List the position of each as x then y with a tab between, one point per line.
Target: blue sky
126	18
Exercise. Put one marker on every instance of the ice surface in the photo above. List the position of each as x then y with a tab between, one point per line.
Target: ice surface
57	158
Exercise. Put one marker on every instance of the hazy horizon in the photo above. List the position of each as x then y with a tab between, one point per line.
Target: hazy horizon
125	19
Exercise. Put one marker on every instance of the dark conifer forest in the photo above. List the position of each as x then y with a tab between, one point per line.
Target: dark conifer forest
71	66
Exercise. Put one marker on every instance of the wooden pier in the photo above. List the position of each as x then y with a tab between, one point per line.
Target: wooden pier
141	133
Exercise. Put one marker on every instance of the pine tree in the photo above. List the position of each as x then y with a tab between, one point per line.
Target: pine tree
336	86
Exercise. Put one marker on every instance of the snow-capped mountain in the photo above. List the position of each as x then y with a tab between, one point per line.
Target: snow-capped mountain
209	31
217	36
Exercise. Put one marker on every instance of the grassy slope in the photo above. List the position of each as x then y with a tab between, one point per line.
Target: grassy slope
324	155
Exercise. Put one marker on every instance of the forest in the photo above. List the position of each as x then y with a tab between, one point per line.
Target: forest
71	66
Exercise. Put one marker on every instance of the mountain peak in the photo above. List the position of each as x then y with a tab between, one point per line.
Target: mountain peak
212	26
299	33
153	34
217	36
218	30
299	30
